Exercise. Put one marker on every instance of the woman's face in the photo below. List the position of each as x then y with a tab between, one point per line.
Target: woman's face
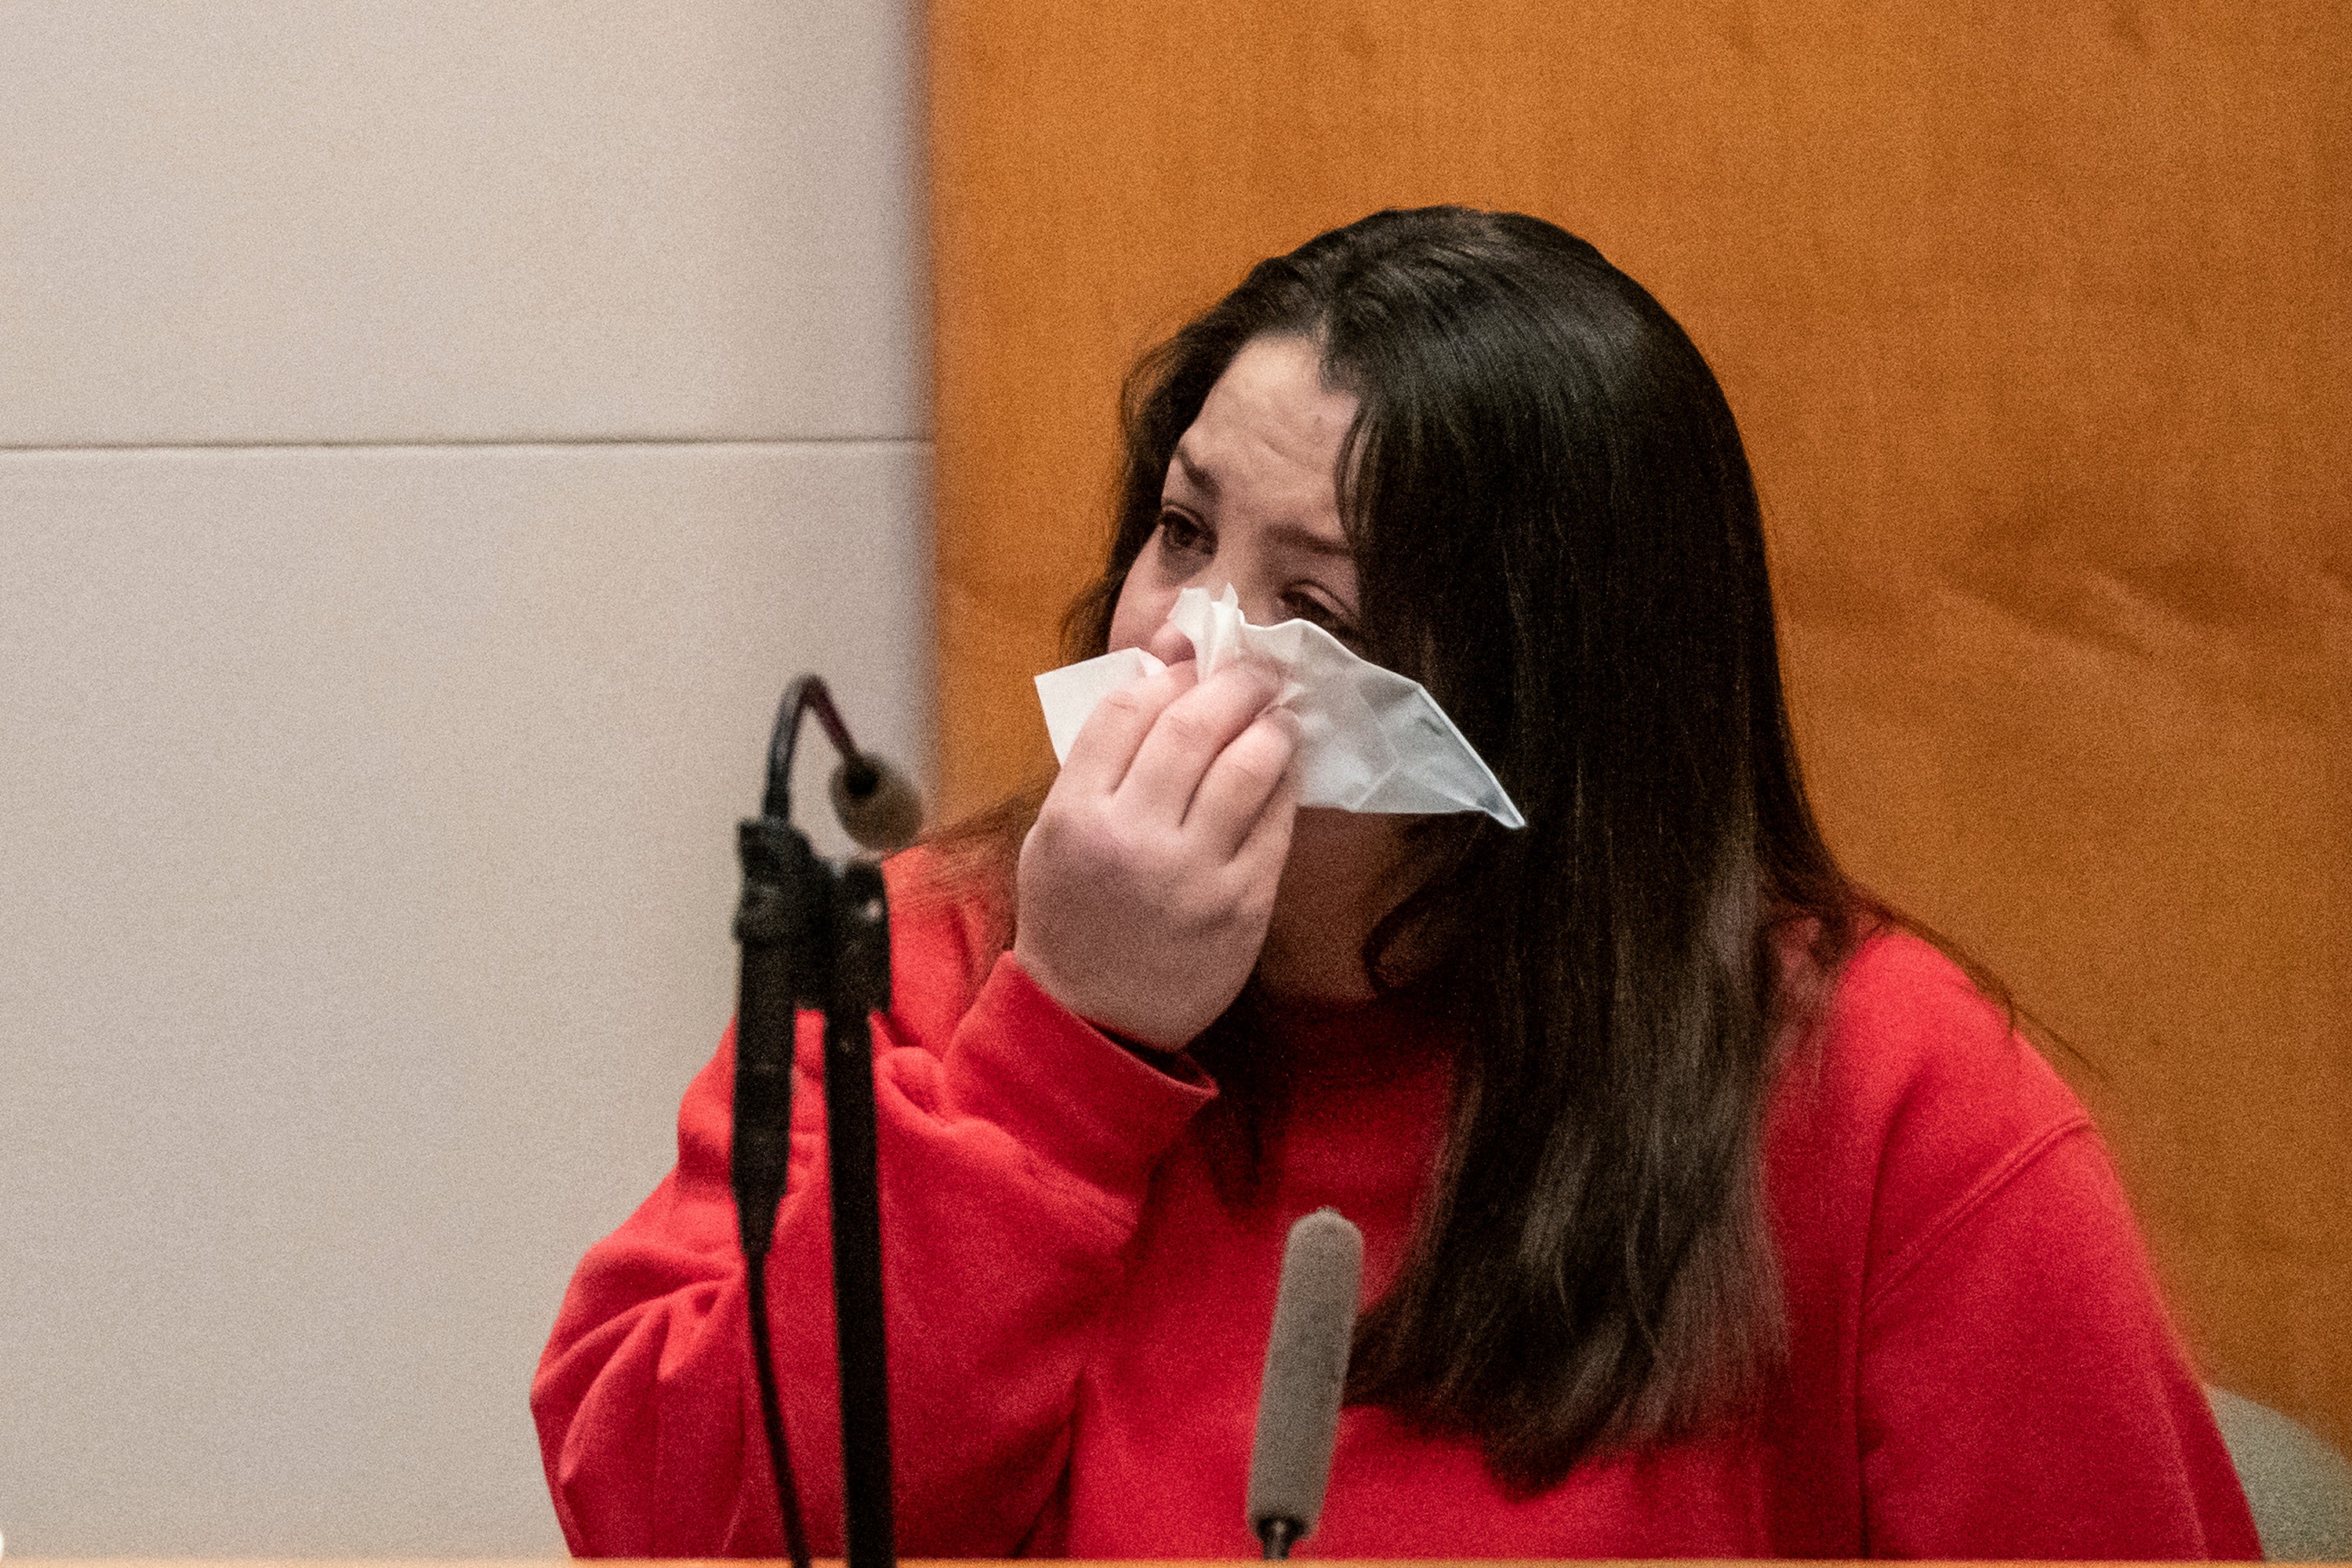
1251	498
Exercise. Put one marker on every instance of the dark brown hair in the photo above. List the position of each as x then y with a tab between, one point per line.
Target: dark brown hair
1556	531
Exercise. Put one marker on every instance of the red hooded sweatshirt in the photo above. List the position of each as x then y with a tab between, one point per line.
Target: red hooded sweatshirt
1979	1364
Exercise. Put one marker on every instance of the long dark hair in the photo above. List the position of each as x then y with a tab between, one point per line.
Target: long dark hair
1555	529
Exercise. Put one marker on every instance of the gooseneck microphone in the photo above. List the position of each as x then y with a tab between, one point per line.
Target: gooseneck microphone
878	808
1305	1370
817	936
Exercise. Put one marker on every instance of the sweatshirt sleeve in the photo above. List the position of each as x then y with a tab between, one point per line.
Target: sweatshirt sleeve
2021	1392
1016	1145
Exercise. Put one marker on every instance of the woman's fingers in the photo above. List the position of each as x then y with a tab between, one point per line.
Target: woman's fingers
1187	739
1167	645
1241	782
1257	863
1134	914
1108	742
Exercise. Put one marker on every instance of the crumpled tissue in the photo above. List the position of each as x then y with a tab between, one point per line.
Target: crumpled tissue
1368	739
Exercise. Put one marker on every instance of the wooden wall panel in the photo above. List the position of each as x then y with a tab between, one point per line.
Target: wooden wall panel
2035	320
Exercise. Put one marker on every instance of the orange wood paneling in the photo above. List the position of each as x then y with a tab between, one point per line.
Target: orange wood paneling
2035	320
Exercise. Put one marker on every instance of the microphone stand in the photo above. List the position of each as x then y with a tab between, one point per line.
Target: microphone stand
816	936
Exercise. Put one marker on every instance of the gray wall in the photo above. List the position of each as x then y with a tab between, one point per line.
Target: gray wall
430	434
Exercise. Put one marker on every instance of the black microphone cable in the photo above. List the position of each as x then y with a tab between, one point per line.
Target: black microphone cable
816	936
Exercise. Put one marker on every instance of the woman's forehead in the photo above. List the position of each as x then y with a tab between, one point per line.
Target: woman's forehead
1269	433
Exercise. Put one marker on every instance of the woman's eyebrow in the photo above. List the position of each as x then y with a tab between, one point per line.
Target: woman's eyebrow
1297	536
1199	478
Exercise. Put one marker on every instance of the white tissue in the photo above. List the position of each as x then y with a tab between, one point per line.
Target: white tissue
1368	739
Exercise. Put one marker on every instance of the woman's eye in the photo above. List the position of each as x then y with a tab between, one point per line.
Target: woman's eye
1181	535
1308	607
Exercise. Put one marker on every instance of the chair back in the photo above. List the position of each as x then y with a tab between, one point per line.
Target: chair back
2300	1488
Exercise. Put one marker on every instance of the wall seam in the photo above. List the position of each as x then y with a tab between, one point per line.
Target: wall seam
548	442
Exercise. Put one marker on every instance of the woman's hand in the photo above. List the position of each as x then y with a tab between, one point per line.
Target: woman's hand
1145	886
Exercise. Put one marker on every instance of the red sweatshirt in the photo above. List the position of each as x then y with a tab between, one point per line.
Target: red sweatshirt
1979	1363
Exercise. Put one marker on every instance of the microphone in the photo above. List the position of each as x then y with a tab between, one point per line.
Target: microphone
1306	1369
877	806
816	935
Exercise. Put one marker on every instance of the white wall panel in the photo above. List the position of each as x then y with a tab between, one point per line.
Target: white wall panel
406	220
365	896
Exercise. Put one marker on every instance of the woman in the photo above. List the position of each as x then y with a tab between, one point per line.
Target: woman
1708	1214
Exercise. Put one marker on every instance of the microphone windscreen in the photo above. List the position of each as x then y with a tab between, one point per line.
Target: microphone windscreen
1305	1368
879	807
